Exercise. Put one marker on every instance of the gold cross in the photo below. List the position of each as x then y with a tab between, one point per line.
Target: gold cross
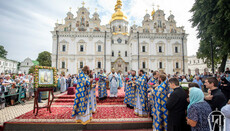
95	9
83	3
70	9
158	7
170	12
146	11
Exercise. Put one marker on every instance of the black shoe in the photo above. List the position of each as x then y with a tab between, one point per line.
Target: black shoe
128	105
40	102
131	107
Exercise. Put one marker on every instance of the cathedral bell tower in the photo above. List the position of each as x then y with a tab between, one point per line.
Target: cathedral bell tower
119	23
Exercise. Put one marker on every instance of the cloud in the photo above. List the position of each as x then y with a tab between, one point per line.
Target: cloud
26	25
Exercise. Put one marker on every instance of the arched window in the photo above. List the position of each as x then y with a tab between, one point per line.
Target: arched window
99	48
160	65
81	64
176	49
98	64
177	65
143	65
63	65
63	48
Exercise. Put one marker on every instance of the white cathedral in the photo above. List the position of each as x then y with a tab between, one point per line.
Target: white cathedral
156	45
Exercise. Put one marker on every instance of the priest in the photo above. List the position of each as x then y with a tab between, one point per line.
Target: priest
160	112
113	83
102	92
130	99
82	102
141	97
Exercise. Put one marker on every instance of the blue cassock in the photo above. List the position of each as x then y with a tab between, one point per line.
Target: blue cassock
154	81
120	80
82	95
127	90
131	91
142	88
102	92
160	112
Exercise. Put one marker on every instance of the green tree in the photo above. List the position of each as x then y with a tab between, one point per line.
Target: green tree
32	69
3	52
212	19
44	58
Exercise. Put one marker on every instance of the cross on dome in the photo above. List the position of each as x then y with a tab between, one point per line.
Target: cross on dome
83	3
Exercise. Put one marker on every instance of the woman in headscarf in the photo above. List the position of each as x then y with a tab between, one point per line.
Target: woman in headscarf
198	110
225	87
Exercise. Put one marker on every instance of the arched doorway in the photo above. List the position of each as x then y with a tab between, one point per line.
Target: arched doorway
120	65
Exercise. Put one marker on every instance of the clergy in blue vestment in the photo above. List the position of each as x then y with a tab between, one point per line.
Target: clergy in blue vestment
130	99
126	89
154	80
160	112
102	92
82	103
120	80
93	92
141	96
113	83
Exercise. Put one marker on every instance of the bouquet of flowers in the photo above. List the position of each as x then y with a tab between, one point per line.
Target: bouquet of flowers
151	85
127	79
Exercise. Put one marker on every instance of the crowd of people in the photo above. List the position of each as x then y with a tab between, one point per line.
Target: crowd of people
156	94
15	88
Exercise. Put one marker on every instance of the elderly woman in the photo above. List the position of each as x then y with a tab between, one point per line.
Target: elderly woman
198	110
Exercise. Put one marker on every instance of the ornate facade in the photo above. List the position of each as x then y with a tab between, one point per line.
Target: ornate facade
82	40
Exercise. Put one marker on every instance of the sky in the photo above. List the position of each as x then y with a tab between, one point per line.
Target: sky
25	25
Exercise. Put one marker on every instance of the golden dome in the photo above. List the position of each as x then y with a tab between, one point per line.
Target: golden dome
153	12
118	15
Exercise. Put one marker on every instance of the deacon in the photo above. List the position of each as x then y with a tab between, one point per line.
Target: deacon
154	81
130	99
113	83
141	98
82	101
160	113
102	92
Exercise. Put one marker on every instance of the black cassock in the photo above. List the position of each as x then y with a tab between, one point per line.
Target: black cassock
177	106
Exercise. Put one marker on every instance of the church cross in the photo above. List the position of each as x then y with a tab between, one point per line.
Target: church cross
70	9
95	9
83	3
158	7
146	11
170	12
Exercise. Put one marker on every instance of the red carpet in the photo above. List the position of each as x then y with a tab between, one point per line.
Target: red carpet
111	110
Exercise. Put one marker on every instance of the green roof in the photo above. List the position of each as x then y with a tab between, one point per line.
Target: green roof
35	62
